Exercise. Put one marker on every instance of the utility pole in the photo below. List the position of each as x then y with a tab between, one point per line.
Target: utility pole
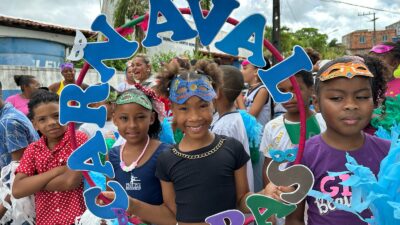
373	20
276	25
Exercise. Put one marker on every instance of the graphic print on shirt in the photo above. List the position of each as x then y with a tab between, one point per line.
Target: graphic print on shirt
134	184
341	194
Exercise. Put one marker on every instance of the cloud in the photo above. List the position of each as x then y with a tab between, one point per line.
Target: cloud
334	19
71	13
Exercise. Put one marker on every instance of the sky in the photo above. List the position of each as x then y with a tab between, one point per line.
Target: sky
334	19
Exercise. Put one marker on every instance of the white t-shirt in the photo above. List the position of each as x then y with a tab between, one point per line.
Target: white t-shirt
276	137
265	114
231	125
90	129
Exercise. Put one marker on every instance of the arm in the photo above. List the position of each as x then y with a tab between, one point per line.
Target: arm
25	185
165	212
259	101
242	189
66	181
3	209
240	102
297	217
267	160
15	156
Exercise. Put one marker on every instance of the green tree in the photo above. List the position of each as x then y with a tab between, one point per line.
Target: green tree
125	10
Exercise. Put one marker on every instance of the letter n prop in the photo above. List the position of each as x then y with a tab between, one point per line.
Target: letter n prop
117	47
74	104
87	158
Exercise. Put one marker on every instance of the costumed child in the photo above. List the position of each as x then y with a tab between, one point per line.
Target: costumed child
16	133
257	102
135	161
283	132
42	170
388	114
206	173
228	120
344	97
389	52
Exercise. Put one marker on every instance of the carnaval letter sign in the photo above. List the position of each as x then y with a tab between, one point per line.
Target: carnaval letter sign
248	35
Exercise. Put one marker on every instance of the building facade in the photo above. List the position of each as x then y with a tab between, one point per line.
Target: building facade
395	26
361	41
34	48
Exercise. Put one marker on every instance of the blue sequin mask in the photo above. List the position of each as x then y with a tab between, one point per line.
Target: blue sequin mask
181	90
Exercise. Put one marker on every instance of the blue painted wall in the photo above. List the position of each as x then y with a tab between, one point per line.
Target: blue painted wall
31	52
28	52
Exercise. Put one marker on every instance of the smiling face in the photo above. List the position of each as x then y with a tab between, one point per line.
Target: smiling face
45	119
193	117
68	74
346	105
133	122
141	71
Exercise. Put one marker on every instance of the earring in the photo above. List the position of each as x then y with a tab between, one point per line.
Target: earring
396	72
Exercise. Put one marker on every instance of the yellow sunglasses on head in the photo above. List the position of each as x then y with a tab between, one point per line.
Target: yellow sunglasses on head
348	69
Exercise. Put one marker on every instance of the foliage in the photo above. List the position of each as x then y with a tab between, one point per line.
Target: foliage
158	59
307	37
126	10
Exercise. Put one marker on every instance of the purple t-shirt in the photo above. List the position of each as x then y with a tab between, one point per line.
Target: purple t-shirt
320	158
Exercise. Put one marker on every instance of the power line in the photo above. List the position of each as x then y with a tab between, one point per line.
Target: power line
347	3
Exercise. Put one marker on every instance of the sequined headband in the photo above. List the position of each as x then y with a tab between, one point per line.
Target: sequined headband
348	69
134	96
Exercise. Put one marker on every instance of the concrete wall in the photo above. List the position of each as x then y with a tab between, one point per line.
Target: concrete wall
46	76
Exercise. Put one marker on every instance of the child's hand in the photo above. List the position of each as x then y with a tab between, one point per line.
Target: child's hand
106	194
271	190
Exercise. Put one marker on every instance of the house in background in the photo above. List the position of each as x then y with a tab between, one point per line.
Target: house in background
35	48
361	41
395	26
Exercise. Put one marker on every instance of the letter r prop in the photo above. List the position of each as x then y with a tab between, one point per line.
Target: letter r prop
81	112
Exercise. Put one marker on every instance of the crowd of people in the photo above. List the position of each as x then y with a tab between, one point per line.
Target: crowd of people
194	139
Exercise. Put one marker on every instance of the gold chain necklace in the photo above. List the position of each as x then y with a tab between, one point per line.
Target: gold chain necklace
199	156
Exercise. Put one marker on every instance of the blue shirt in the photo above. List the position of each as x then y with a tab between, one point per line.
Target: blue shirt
16	132
140	183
